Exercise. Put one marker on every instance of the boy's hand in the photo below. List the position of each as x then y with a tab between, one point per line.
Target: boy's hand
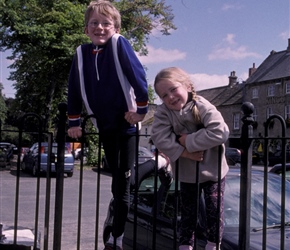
133	117
75	132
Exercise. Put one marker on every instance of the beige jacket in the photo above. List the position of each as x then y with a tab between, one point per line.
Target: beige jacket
168	123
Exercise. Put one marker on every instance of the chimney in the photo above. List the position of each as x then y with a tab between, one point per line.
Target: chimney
288	48
252	70
232	79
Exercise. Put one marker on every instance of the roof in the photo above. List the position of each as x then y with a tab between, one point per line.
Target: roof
225	95
275	66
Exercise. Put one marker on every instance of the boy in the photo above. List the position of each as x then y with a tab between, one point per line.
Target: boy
96	82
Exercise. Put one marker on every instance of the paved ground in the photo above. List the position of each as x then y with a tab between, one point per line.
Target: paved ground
27	206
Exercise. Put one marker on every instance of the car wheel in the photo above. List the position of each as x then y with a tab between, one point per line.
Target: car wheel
34	170
70	174
23	167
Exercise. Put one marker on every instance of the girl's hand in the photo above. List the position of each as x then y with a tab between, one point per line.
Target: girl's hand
133	117
182	139
195	156
75	132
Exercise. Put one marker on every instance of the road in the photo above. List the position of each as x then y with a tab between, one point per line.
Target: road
27	204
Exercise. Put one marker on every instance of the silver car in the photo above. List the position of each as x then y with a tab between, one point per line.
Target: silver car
30	159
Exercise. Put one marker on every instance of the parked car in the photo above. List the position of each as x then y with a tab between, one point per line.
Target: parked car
24	150
277	169
233	155
276	158
230	241
78	153
6	153
30	159
143	155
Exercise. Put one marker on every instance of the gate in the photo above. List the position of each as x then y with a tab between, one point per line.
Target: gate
50	234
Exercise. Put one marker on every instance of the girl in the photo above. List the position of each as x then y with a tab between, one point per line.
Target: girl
189	128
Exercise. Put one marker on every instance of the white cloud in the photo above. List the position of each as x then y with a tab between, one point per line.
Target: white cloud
227	7
205	81
230	39
230	50
160	55
285	35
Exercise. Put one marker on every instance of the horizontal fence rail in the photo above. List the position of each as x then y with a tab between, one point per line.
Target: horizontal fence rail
49	231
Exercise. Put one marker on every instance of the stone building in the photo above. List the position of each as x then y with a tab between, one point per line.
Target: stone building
267	88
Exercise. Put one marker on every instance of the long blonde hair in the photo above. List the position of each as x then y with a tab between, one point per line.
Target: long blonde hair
174	74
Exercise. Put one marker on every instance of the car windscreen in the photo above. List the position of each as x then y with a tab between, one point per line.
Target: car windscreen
232	198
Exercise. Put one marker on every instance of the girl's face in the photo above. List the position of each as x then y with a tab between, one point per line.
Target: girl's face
173	94
100	28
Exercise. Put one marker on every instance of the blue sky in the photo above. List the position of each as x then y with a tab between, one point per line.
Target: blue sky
213	38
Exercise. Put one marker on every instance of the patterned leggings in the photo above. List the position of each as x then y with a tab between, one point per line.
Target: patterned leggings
208	210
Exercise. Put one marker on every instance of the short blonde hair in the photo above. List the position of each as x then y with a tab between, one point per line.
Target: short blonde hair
105	8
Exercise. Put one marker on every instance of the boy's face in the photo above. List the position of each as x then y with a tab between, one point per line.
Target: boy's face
100	28
173	94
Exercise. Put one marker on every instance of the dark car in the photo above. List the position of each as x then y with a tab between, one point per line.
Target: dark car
165	214
30	159
6	153
233	155
276	158
277	169
143	155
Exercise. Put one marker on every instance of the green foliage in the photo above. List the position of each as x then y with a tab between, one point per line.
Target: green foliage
3	108
140	17
151	94
11	134
43	36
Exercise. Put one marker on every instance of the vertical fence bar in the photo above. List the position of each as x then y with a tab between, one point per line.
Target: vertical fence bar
197	203
219	195
98	194
22	120
47	195
136	187
176	195
246	165
60	139
80	203
283	182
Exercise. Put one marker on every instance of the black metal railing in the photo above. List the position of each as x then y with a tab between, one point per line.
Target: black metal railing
61	138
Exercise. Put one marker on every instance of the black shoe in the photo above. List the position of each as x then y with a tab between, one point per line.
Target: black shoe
109	246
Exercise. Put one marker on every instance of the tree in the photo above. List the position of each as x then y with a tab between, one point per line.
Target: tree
3	108
151	94
43	36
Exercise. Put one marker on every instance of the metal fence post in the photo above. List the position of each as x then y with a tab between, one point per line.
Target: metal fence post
60	139
246	165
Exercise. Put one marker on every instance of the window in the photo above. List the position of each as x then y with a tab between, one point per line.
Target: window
255	93
269	112
255	116
287	112
271	90
287	86
237	121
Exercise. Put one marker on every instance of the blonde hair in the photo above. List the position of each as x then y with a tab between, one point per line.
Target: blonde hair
105	8
174	74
